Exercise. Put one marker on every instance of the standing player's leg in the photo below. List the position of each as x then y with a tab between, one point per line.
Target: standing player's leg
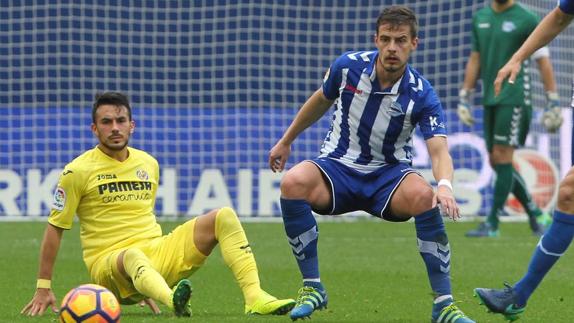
414	197
301	187
511	301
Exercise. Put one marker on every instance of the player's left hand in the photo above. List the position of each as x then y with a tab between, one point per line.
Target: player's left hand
446	202
152	305
552	117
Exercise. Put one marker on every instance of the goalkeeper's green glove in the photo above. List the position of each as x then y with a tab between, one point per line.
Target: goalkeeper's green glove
463	108
552	116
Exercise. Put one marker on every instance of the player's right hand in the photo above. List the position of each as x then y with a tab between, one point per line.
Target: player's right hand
43	298
278	156
510	71
463	108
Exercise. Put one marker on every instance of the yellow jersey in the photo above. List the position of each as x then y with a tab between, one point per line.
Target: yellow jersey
114	201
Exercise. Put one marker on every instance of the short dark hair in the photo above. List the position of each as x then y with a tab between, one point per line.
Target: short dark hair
113	98
397	16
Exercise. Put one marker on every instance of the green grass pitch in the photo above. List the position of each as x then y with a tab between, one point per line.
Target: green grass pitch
372	271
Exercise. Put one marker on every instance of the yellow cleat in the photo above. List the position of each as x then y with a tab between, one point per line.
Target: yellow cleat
270	305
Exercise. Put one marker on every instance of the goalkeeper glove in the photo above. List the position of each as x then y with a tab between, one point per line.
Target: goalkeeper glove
463	108
552	116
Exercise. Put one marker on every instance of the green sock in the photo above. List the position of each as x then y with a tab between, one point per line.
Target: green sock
519	190
502	187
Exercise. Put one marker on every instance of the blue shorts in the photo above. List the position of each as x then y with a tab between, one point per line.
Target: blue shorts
355	191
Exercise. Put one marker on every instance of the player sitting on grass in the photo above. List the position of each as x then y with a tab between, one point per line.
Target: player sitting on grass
112	189
365	161
511	301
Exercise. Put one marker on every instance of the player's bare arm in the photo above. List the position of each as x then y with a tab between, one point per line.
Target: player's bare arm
310	112
44	297
443	170
549	27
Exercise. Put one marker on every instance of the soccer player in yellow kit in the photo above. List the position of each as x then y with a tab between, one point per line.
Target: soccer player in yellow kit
112	190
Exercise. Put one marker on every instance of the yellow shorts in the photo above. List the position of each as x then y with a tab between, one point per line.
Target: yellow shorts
174	256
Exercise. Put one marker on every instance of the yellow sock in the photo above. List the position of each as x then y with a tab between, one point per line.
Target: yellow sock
145	278
237	253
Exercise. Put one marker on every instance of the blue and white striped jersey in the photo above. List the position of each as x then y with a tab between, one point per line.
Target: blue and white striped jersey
371	126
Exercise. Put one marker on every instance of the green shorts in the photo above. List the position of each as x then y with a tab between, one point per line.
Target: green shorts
173	255
506	125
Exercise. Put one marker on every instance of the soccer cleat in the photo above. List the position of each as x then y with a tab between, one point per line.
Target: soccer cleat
270	305
180	298
484	229
501	301
310	298
447	312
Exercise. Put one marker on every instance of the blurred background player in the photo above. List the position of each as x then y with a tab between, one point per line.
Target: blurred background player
365	161
498	30
511	301
112	188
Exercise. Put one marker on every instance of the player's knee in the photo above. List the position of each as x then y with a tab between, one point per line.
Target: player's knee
226	214
130	260
225	218
133	254
420	199
501	155
294	185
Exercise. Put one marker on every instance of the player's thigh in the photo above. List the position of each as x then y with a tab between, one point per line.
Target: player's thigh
175	255
511	125
566	193
413	196
306	181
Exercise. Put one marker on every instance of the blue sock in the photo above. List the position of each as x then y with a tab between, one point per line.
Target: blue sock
302	231
552	245
435	250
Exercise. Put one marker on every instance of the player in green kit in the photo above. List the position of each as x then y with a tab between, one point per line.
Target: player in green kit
112	189
498	30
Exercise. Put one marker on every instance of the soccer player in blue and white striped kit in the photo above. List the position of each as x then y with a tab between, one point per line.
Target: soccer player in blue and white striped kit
511	301
365	161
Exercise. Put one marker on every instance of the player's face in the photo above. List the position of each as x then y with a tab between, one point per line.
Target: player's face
395	45
113	127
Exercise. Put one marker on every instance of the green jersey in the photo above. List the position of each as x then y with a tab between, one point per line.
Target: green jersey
496	36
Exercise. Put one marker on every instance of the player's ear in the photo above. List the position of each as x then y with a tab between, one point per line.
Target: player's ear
415	42
94	129
132	126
